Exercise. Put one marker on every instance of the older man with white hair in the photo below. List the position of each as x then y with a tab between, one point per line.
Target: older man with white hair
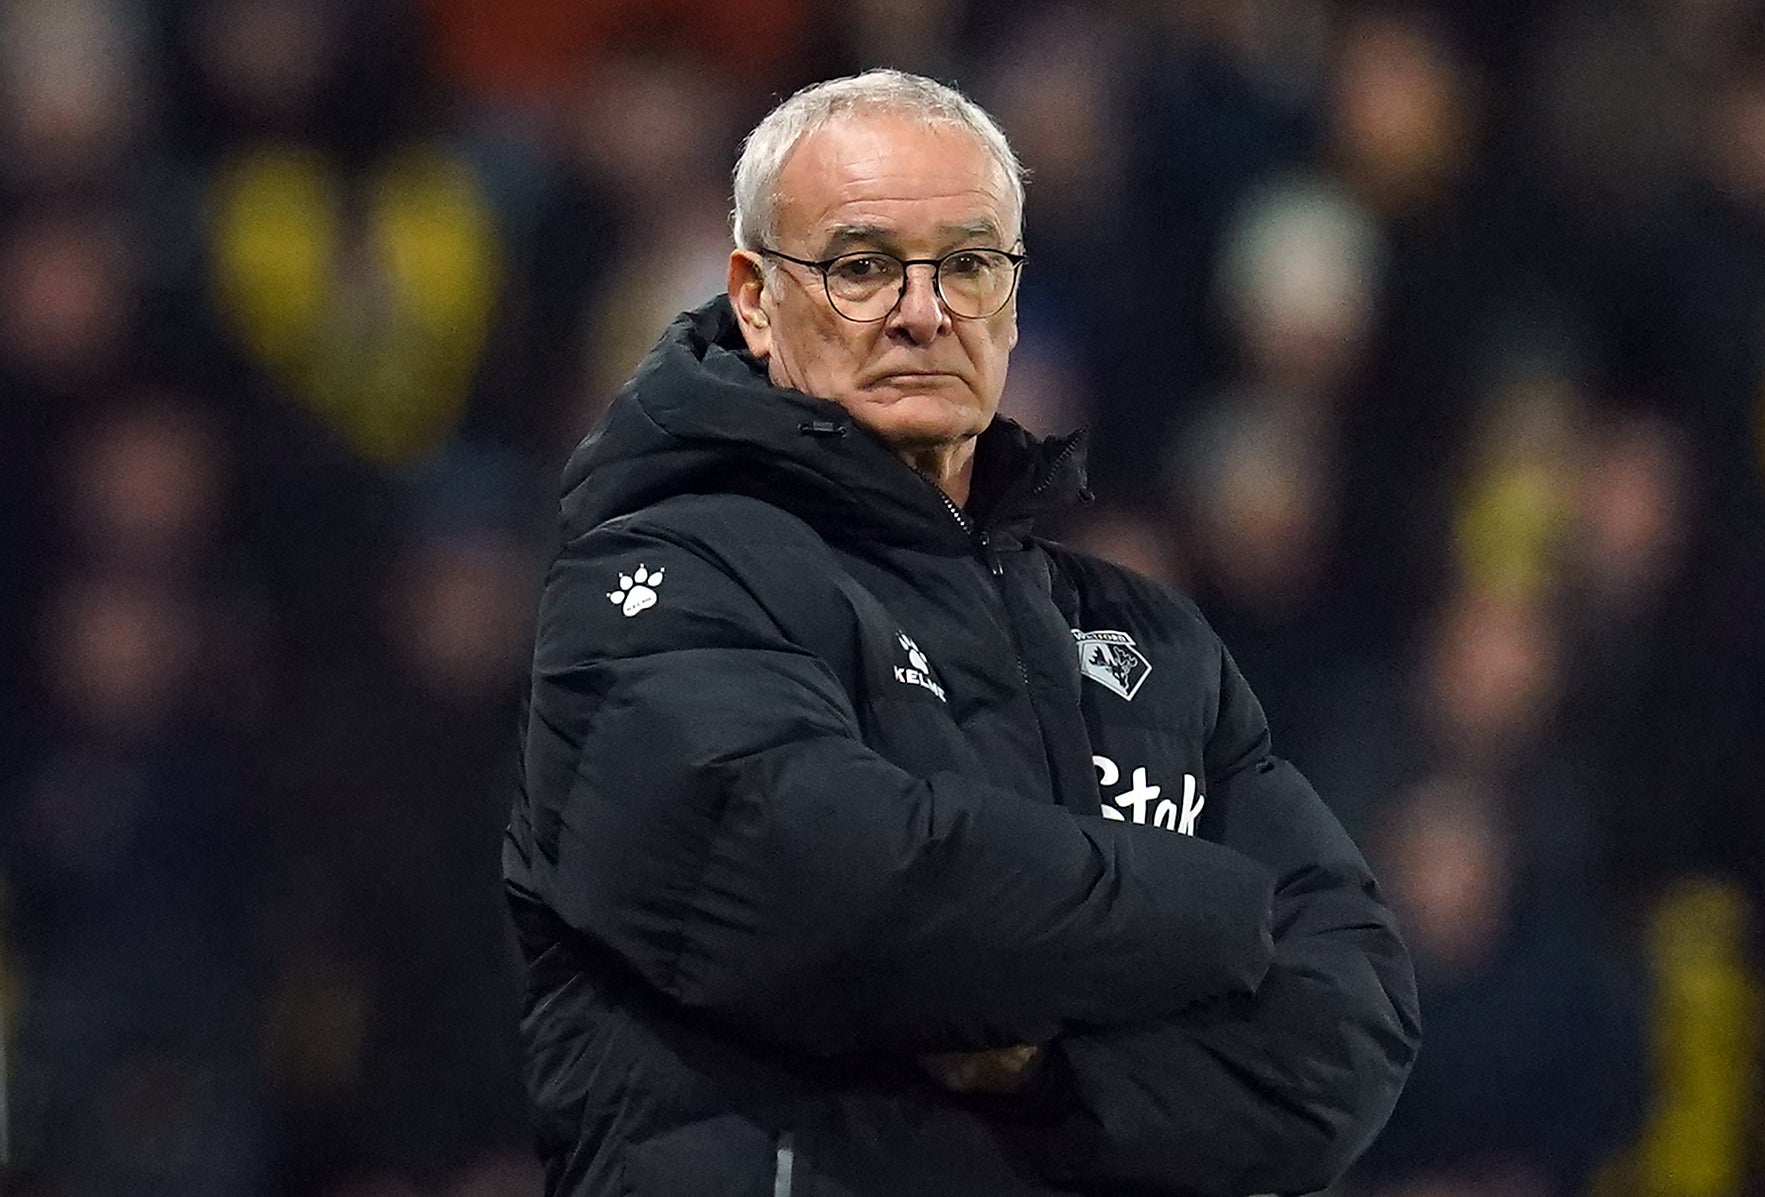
870	844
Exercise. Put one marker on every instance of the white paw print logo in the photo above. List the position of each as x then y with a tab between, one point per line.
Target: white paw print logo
637	592
915	658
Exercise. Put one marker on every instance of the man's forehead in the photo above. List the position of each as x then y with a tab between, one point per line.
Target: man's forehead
874	179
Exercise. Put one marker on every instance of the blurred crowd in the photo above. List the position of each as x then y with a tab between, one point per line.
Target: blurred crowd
1424	343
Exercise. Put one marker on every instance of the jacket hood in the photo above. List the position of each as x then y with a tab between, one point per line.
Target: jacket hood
701	417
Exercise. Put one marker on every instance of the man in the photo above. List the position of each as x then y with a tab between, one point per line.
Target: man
870	845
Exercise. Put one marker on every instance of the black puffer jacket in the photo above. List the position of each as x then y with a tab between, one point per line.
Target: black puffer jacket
823	773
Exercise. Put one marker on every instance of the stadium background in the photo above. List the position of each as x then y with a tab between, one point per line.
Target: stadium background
1424	343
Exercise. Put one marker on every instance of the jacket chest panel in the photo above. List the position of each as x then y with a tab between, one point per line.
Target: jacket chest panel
1148	733
943	683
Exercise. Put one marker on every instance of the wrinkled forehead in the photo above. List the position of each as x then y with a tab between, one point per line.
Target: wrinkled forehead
889	180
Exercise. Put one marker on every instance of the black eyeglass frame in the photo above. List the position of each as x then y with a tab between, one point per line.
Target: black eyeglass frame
937	264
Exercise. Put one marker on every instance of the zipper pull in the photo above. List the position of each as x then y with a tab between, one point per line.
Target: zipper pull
984	543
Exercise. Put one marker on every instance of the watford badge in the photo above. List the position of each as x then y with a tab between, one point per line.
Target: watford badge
1111	659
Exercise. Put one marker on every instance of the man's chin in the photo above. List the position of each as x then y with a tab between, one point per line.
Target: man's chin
919	419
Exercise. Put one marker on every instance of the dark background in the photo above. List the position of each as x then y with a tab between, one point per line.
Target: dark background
1423	343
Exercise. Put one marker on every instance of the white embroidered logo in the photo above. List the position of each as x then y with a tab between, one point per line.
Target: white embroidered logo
918	670
637	592
1111	659
1135	804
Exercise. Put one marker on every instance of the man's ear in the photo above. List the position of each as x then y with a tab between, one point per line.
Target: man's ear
748	296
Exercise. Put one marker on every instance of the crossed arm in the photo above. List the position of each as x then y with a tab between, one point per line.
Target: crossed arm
1278	1091
716	820
1272	1092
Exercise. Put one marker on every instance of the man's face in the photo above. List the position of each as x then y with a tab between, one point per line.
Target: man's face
918	378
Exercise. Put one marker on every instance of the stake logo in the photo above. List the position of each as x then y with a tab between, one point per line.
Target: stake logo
1143	802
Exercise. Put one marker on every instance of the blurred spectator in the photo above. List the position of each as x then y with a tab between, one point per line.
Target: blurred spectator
1081	271
351	251
1406	117
1702	1135
1517	495
147	488
1260	469
527	52
1534	1071
1201	124
344	76
1402	111
665	162
1632	511
1626	553
126	863
395	1043
1257	473
68	306
369	299
70	298
1491	679
130	855
73	72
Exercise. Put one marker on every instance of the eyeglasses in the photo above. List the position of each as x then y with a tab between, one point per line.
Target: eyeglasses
867	285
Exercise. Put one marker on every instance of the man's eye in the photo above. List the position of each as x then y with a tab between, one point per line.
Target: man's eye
965	263
864	268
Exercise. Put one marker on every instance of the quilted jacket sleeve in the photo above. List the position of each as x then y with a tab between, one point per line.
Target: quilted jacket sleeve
699	802
1276	1092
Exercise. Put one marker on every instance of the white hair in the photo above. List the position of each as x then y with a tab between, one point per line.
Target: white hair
883	91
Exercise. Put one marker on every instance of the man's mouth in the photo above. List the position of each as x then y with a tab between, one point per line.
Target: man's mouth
895	375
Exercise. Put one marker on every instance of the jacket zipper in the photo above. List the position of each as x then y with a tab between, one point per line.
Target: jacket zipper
983	543
956	513
1048	477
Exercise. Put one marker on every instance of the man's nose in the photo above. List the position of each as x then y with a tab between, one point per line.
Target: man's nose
920	314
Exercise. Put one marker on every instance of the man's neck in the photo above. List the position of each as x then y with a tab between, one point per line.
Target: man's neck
950	466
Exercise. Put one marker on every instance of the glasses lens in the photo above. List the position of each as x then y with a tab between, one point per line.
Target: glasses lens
976	282
864	286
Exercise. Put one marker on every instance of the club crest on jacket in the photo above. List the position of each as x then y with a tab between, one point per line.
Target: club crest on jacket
637	592
1111	659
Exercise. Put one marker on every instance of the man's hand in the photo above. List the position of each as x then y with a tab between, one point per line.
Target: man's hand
1003	1070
